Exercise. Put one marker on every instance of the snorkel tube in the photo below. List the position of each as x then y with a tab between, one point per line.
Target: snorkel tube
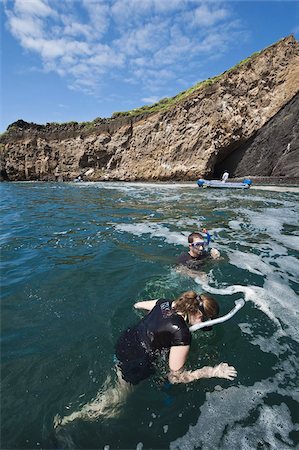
206	238
208	323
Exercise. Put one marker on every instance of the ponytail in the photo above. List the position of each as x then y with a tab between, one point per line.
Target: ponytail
190	303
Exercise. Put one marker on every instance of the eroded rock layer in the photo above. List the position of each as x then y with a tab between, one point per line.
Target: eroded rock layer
227	124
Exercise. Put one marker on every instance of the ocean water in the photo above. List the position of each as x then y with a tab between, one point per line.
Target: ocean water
74	260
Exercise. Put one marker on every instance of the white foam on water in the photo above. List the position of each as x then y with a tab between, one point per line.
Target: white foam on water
134	185
289	265
227	416
254	294
276	299
249	261
230	195
272	221
235	225
263	431
265	220
155	230
267	345
283	303
269	201
273	249
290	241
190	223
64	232
281	299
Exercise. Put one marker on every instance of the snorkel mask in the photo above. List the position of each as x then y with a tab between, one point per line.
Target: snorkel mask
205	239
201	245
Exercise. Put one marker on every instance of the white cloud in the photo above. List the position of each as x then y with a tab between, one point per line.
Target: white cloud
98	12
145	41
134	10
142	40
34	7
77	29
150	100
208	14
25	26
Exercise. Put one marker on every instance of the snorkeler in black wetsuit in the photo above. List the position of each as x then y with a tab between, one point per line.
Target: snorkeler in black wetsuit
167	327
136	348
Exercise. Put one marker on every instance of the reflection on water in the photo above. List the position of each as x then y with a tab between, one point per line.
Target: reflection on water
76	257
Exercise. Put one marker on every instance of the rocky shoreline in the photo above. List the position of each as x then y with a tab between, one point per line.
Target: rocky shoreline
257	181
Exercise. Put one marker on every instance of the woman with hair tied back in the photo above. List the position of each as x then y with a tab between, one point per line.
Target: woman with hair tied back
166	327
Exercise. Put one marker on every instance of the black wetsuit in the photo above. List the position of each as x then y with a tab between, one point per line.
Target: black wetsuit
137	347
192	262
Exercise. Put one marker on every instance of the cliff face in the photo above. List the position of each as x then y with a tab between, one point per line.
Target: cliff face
246	121
273	151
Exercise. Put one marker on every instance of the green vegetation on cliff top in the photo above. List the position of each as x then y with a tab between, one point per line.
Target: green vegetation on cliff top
167	102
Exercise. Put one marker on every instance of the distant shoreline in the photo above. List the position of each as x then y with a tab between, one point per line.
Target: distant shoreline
284	181
274	184
276	188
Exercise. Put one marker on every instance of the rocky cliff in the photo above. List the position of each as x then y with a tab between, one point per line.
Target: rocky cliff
245	121
273	151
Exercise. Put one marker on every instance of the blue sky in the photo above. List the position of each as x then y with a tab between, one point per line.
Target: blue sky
75	60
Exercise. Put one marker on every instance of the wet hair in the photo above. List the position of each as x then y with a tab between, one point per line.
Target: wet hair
209	305
192	236
189	303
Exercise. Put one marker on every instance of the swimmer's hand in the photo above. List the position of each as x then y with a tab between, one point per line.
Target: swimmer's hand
223	370
214	253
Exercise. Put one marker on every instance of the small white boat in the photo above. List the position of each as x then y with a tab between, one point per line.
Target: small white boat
245	184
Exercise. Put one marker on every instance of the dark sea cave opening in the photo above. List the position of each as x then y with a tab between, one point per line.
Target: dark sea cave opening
3	175
228	159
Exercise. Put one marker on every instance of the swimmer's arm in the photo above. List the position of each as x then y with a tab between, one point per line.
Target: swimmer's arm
183	270
177	357
177	374
147	305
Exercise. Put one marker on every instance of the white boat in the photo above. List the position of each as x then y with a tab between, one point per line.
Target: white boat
245	184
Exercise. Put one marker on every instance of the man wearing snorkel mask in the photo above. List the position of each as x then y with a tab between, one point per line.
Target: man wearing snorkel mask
198	252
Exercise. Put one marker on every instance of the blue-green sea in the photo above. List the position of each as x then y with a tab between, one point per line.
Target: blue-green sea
75	257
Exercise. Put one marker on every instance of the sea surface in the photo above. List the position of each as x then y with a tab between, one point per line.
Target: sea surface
74	260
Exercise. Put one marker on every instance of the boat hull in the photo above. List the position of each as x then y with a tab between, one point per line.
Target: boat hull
223	185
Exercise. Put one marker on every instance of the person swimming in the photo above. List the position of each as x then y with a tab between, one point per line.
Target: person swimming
198	252
165	327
